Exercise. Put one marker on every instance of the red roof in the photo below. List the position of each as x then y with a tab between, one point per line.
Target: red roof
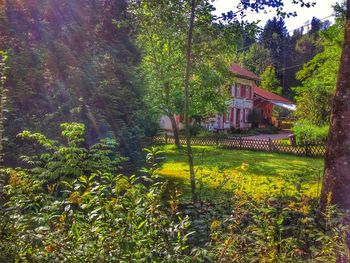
241	72
269	95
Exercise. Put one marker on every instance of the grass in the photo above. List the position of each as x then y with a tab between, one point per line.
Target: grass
256	173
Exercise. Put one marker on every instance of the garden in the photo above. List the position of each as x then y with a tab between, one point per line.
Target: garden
124	131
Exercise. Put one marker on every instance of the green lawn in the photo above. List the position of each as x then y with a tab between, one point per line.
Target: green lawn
257	173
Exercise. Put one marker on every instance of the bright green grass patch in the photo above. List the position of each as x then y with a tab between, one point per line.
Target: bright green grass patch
257	173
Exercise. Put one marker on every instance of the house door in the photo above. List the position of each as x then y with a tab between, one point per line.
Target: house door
238	118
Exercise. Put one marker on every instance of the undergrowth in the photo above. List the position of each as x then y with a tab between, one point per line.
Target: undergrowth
72	204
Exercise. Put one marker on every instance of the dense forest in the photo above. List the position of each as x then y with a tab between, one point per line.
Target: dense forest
68	61
83	85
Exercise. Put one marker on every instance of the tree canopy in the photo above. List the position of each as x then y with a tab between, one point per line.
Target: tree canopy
69	61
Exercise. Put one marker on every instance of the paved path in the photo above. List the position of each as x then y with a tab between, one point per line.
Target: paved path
279	136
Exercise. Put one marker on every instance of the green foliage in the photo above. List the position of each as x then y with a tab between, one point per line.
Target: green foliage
64	67
270	81
319	79
271	218
279	228
69	160
196	129
306	132
255	59
163	55
274	37
99	215
89	212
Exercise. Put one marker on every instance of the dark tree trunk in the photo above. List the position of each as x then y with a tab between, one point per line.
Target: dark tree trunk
336	180
175	130
187	102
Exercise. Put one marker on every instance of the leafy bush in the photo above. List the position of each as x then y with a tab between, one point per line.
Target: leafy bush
196	129
307	133
71	205
278	229
205	134
285	225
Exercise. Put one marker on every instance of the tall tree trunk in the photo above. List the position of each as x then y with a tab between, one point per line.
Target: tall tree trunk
175	130
336	180
187	101
171	114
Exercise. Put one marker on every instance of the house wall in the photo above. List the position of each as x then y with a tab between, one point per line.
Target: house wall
240	105
165	123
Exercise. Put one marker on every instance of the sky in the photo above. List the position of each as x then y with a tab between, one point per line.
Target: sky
322	9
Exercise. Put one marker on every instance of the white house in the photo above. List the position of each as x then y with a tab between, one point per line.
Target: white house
241	102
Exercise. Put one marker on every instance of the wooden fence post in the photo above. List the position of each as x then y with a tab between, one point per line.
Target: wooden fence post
270	144
166	138
240	142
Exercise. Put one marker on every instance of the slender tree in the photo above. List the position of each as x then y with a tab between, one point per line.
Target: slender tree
187	100
3	57
243	5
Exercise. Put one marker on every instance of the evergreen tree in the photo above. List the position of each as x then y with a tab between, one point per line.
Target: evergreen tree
274	37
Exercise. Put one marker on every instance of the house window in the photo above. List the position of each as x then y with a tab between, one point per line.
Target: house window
243	93
248	92
238	88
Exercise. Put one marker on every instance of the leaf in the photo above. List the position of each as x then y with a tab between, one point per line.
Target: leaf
141	224
42	229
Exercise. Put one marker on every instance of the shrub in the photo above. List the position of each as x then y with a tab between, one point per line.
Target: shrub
283	225
195	129
204	134
307	133
72	205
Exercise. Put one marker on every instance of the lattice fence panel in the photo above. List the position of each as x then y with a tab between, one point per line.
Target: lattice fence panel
249	144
